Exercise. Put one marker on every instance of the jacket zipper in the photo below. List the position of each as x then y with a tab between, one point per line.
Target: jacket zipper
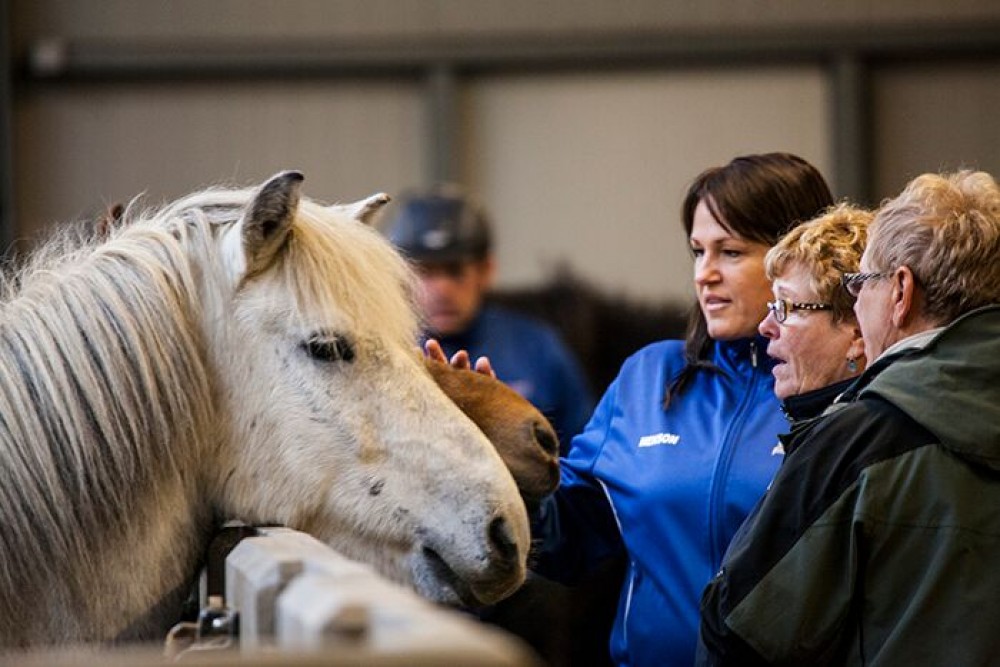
728	450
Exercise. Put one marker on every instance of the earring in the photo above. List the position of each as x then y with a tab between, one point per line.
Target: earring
852	365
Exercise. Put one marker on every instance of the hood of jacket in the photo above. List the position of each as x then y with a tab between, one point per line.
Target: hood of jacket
951	385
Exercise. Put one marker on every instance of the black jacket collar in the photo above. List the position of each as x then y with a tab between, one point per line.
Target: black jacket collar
813	403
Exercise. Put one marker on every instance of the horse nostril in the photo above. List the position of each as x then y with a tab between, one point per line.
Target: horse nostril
546	439
502	539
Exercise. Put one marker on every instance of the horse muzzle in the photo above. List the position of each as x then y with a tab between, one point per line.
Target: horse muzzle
479	581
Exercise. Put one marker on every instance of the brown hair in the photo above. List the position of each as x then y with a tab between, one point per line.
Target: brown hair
756	197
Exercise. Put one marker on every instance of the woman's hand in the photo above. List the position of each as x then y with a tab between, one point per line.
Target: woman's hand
459	360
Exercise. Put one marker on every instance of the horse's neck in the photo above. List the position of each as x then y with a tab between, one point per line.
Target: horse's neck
126	586
104	408
168	551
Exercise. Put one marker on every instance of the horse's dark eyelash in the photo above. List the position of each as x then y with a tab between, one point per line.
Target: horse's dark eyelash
325	348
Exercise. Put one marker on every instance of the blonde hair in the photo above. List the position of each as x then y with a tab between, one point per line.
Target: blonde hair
946	229
827	246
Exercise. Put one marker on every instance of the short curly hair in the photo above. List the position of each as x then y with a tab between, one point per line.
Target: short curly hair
828	246
946	229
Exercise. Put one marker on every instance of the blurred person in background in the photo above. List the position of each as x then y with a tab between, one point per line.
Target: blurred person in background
449	239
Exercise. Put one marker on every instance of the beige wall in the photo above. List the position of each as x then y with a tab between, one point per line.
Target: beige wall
591	170
79	148
935	116
583	166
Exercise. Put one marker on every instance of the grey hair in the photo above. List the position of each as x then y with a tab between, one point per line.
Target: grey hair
946	229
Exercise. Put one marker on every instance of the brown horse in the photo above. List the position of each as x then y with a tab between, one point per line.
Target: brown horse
523	437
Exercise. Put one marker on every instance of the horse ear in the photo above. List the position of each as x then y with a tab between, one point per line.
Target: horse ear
268	219
364	210
107	220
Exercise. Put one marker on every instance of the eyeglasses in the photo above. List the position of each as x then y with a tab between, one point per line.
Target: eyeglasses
782	307
853	282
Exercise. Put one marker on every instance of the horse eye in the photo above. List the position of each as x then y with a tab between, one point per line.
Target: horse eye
329	349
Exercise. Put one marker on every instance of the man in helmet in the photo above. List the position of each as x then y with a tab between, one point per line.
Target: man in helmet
448	238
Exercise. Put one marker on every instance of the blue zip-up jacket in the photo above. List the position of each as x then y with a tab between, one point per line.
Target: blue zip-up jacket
529	355
670	487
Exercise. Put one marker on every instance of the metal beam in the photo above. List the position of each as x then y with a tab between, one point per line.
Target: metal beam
846	53
442	125
56	60
7	222
851	120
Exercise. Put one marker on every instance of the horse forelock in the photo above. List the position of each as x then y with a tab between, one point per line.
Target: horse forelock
331	263
336	264
102	377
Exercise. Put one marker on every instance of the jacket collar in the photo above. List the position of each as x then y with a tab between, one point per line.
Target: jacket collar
742	352
812	403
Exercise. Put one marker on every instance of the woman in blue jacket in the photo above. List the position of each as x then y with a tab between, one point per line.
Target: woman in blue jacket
685	440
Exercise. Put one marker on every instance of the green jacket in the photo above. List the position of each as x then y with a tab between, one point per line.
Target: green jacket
878	542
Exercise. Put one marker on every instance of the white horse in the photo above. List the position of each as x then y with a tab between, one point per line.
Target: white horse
239	354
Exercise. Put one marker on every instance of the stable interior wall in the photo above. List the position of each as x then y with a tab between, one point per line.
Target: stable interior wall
589	171
581	171
935	116
581	167
80	148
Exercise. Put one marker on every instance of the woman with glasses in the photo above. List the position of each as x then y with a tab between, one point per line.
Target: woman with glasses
815	343
879	539
815	340
684	441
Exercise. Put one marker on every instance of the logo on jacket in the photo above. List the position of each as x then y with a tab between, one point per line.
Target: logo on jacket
779	450
659	439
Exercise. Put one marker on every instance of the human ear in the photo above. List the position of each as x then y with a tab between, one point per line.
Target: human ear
904	297
487	271
856	348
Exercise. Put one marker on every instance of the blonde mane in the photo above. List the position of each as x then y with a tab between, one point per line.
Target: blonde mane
336	261
101	372
227	357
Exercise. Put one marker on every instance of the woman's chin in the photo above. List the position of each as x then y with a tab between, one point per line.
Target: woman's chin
783	385
725	329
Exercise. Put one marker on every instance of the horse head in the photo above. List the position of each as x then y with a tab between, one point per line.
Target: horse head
238	354
329	422
523	437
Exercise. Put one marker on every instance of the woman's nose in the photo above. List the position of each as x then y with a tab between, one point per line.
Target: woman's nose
705	271
768	326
